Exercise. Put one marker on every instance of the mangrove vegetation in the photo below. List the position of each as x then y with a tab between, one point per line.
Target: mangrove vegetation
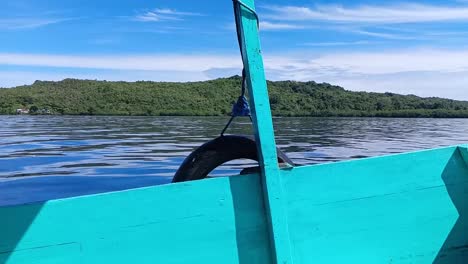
213	98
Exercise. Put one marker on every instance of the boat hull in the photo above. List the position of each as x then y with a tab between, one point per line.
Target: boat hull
405	208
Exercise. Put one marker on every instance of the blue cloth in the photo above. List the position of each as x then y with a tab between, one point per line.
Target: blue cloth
241	107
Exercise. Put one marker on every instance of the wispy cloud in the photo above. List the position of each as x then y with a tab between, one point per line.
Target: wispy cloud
269	26
340	43
27	23
385	14
22	77
266	25
123	62
382	35
350	62
422	69
163	14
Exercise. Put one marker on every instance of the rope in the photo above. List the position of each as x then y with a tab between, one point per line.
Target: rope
241	107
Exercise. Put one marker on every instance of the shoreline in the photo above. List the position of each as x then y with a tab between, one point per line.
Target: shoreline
215	98
274	116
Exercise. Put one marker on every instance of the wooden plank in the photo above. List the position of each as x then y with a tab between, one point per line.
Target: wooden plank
408	208
212	221
464	153
265	138
63	253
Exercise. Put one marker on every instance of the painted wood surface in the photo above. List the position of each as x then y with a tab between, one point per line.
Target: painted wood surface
265	138
408	208
212	221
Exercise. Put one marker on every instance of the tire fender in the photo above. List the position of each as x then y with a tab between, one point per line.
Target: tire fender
218	151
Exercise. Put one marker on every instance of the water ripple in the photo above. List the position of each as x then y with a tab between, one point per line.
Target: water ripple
110	147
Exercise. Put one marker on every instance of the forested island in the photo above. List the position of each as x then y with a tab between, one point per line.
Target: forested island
214	98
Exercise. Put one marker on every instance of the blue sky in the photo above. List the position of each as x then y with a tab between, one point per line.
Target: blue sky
409	47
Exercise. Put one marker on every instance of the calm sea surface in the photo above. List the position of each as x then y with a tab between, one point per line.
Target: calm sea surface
48	157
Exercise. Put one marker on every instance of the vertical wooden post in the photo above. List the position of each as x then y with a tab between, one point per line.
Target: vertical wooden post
264	133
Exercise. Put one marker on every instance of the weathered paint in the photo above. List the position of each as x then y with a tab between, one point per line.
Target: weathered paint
407	208
265	138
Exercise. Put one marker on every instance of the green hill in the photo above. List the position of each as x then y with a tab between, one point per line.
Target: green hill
215	97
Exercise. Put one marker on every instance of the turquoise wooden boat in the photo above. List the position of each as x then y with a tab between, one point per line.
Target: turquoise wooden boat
407	208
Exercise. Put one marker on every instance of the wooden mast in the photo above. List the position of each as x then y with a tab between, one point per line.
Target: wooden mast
264	133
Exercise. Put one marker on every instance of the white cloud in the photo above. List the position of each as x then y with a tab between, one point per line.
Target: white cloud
340	43
381	34
396	61
26	23
22	77
162	14
350	62
441	84
425	72
384	14
146	63
167	11
265	25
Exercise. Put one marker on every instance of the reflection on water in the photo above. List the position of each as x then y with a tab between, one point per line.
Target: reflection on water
150	149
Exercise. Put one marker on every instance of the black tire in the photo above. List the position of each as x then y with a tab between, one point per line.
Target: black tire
214	153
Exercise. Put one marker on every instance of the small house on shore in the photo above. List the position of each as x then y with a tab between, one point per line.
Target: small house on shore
22	111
